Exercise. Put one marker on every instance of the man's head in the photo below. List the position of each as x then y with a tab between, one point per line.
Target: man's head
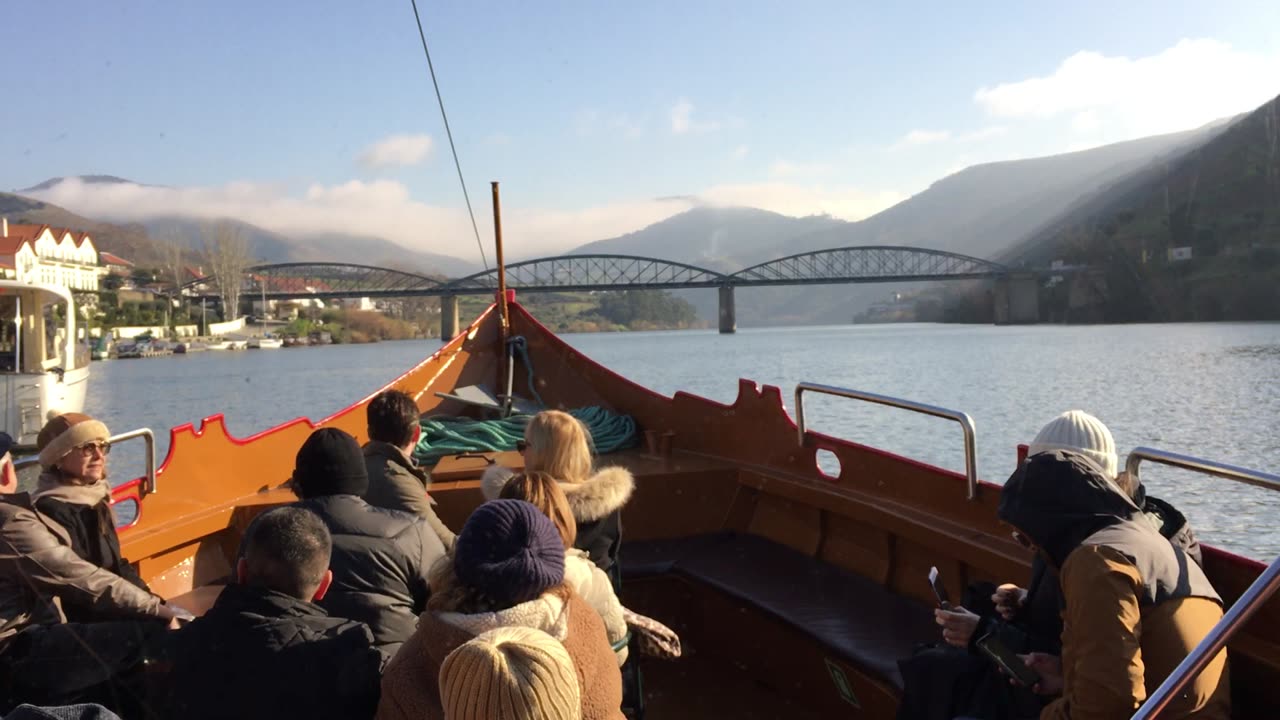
1078	431
76	446
393	418
287	550
8	475
330	463
1058	498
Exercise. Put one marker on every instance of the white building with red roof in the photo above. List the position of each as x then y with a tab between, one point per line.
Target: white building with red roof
49	255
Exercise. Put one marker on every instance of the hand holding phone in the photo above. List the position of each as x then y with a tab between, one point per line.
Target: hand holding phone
1007	660
939	591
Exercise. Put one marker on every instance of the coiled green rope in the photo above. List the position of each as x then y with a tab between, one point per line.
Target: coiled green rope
442	436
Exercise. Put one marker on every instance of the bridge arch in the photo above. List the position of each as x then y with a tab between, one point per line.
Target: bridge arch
592	272
867	263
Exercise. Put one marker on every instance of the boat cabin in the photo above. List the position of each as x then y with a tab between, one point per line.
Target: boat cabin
44	370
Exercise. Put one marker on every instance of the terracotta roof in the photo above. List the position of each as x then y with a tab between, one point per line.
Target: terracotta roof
113	259
5	265
23	232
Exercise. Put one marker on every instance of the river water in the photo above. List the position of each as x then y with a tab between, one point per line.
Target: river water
1211	390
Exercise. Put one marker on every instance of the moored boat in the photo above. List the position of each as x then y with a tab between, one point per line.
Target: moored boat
797	589
266	342
43	371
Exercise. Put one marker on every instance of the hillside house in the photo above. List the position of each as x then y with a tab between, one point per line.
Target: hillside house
49	256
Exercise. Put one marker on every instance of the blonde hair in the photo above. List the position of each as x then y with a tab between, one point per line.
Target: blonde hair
542	491
510	673
558	444
450	594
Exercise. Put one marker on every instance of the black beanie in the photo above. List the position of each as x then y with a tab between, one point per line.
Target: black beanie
330	462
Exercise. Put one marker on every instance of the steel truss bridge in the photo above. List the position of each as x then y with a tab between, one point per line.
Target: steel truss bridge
596	272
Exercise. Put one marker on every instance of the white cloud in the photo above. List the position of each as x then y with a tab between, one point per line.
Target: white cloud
986	133
396	150
386	209
740	152
590	122
921	137
1085	121
785	169
1184	86
682	121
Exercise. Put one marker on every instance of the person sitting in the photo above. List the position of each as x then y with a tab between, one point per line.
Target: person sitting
265	649
381	558
44	659
1133	605
73	491
555	442
1025	619
511	673
396	482
506	569
90	711
587	580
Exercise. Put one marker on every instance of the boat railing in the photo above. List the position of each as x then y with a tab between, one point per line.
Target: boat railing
148	438
1195	464
966	422
1252	600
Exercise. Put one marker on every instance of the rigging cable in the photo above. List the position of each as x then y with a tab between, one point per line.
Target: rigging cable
449	134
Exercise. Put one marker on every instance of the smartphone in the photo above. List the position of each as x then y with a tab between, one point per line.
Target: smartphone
1008	660
938	590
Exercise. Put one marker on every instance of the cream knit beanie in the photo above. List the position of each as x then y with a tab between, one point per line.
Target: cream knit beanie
66	432
511	673
1078	431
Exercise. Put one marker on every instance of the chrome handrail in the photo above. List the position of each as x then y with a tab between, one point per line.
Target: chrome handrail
145	433
1249	603
966	422
1187	462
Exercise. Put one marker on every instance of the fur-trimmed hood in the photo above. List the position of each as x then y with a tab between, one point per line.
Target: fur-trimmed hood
592	499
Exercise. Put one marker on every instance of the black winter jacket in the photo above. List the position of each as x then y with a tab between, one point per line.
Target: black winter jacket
380	562
260	654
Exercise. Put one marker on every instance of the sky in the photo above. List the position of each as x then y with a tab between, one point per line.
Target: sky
597	118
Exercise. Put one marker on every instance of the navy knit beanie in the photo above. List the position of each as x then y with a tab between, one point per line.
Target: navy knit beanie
330	462
509	551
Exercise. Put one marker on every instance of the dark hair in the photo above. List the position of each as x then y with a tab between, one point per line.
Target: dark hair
392	416
287	550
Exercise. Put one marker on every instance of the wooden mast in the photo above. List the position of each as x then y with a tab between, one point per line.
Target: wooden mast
505	361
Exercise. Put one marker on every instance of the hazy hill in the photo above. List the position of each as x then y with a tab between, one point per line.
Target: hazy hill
128	240
1220	200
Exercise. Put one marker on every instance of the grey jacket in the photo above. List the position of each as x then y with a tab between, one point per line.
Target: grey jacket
397	483
39	573
380	562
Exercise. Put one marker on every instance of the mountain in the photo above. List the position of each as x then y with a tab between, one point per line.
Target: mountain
983	211
271	247
86	179
127	240
719	238
1217	203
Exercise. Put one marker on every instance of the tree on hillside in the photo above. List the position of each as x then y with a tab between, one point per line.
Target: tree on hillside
226	253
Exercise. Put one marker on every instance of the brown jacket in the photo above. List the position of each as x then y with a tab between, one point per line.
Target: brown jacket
1116	649
39	572
397	483
410	684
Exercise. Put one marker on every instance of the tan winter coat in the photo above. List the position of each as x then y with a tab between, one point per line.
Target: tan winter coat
593	586
410	684
39	571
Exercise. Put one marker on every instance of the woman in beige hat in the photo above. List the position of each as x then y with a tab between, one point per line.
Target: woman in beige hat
73	491
511	673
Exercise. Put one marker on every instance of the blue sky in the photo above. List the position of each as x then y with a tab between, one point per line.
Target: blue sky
306	115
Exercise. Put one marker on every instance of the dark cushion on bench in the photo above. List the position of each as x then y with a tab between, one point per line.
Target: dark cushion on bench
852	617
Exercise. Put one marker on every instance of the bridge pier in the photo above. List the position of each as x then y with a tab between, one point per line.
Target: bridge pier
448	317
728	315
1017	299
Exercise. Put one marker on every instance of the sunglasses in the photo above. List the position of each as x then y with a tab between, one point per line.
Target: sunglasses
98	445
522	445
1021	539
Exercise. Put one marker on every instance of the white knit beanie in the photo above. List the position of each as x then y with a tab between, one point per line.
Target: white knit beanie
511	673
1078	431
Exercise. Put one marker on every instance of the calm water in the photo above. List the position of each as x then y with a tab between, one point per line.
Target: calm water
1209	389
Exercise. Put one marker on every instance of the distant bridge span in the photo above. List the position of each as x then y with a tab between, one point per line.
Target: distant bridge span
604	272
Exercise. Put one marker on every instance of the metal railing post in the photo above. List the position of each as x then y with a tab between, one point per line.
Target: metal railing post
966	422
